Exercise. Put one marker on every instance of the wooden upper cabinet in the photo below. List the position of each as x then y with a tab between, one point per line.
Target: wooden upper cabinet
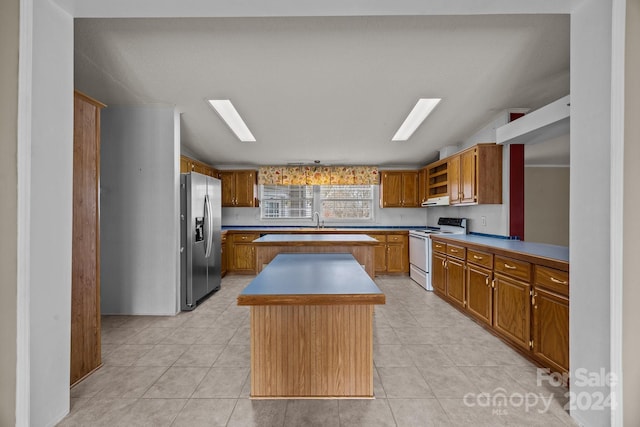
85	248
238	188
191	165
473	176
399	189
423	185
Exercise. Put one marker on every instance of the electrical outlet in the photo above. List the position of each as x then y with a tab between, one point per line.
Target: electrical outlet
484	221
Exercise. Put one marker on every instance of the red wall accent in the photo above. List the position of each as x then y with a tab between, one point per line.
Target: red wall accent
516	190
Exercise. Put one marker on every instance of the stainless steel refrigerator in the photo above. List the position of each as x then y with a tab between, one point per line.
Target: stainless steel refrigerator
200	255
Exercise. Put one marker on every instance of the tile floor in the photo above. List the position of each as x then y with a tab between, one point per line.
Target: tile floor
193	370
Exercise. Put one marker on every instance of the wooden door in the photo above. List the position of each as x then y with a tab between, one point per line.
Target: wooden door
439	273
410	196
85	258
245	188
455	281
453	172
227	185
391	190
512	309
551	329
468	176
480	293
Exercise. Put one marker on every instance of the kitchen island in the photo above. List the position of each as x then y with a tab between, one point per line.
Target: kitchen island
312	327
361	246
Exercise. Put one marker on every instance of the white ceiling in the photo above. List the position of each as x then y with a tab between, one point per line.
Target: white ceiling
333	89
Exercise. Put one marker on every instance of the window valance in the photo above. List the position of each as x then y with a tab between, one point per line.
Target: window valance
318	175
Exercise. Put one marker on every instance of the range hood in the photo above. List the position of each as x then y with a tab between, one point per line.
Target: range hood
436	201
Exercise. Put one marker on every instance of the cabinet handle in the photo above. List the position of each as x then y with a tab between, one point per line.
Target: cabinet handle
446	263
493	284
443	262
533	301
477	257
455	251
510	267
554	280
486	280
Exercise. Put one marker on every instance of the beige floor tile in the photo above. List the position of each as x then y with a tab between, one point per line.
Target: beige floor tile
385	335
200	355
222	382
418	335
176	382
365	413
468	412
95	382
205	413
131	382
404	382
118	335
447	381
234	356
391	356
161	355
150	335
318	413
98	413
241	337
217	335
419	413
428	355
378	389
125	355
152	413
258	413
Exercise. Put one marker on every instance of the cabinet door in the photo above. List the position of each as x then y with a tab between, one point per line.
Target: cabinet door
391	190
423	186
468	176
512	309
439	273
396	260
227	184
245	187
410	196
244	260
479	293
455	281
551	329
380	253
453	171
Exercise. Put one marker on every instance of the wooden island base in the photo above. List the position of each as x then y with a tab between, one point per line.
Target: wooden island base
312	327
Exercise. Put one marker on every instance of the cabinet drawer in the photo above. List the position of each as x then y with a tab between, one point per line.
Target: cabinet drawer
456	251
245	237
550	278
379	237
513	267
484	259
395	238
439	247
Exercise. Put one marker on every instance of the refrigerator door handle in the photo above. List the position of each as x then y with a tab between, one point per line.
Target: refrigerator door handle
209	230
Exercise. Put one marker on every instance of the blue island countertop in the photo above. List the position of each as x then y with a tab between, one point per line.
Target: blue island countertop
312	275
541	250
316	238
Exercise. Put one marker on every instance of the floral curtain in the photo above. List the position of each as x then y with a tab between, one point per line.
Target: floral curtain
318	175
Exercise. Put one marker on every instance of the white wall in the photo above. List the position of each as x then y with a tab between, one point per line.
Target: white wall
9	45
589	234
139	210
51	212
631	248
546	205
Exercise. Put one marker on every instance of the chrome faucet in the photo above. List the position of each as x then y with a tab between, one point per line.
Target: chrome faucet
316	216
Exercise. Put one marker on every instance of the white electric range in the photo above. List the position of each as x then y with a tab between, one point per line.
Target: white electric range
420	248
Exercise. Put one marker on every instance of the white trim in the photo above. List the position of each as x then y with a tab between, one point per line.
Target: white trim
23	350
617	203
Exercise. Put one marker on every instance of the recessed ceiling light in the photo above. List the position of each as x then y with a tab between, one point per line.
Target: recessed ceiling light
230	115
423	108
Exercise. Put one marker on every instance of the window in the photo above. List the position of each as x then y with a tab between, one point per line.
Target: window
333	202
346	201
286	201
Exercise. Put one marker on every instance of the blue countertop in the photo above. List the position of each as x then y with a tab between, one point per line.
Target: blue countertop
315	238
330	227
312	274
560	253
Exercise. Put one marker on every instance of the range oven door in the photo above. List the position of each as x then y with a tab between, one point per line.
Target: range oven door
418	260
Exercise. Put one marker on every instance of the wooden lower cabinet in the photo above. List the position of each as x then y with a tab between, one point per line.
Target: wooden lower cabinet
439	274
512	309
479	293
397	254
456	281
551	329
244	260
